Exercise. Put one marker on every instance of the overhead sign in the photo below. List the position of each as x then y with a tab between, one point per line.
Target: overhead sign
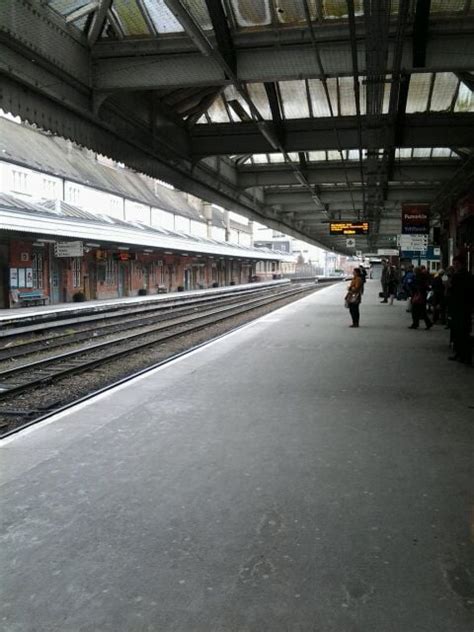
350	243
387	252
68	249
348	228
431	253
413	242
415	219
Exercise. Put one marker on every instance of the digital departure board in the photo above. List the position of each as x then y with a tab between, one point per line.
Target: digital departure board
349	228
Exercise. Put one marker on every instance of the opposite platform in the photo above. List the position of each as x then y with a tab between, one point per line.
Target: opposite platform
295	476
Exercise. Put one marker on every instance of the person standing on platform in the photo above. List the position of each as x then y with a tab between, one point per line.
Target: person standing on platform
354	296
392	284
418	300
461	302
363	276
385	280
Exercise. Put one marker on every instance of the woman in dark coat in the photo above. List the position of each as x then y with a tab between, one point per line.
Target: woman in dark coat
420	288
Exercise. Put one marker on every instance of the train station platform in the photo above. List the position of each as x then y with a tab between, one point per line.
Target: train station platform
295	476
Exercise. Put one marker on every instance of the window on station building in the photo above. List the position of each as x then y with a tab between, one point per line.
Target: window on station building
116	207
37	267
19	181
76	272
110	272
50	188
73	195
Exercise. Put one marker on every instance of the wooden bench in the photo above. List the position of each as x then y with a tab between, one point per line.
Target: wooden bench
35	297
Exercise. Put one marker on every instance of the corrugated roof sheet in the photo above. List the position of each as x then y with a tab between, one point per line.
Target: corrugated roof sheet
43	152
66	221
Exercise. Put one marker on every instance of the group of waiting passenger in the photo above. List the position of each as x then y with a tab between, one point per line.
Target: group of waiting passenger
447	296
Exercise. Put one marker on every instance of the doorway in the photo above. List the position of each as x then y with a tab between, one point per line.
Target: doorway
56	281
122	280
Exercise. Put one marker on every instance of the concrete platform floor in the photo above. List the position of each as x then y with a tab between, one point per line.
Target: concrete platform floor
297	476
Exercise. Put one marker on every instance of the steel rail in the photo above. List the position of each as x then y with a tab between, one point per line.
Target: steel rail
55	409
208	319
106	311
164	312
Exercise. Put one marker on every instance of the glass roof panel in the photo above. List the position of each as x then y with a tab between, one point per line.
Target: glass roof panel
418	92
334	9
294	98
422	152
316	156
441	152
217	112
465	99
260	158
277	157
162	18
353	154
347	96
65	7
319	101
130	17
292	11
403	152
251	13
198	10
333	154
443	91
439	6
258	95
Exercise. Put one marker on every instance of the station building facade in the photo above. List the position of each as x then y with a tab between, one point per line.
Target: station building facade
59	253
78	226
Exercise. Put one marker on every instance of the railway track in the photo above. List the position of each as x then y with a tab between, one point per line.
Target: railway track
32	376
18	342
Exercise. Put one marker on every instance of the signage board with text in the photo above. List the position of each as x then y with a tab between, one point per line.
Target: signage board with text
68	249
415	219
413	242
348	228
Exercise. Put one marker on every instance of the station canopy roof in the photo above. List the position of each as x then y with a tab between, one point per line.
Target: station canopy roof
63	221
293	112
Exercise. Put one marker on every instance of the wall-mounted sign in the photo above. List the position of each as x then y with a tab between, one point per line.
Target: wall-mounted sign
415	219
29	277
413	242
68	249
350	243
24	256
13	277
388	252
21	277
348	228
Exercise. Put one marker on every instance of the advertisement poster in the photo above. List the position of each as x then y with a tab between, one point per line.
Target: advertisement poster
415	219
21	277
29	277
13	277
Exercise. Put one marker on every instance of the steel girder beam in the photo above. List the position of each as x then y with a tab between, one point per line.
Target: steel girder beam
131	143
298	199
129	66
28	25
421	130
420	32
274	175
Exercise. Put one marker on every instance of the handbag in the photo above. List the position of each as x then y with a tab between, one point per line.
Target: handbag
417	299
352	298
